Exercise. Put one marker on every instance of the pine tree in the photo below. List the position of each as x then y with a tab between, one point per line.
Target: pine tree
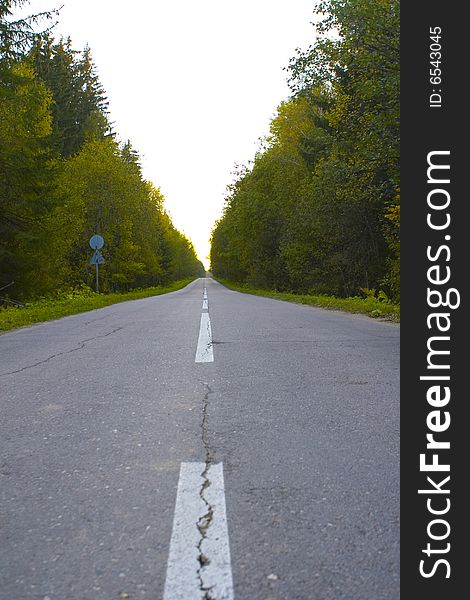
93	103
80	105
17	35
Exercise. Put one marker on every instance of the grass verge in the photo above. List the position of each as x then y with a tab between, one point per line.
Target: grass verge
368	306
74	303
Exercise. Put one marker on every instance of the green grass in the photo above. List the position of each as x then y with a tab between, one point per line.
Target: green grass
73	303
370	306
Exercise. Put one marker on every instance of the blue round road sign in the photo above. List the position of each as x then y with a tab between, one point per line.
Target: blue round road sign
96	242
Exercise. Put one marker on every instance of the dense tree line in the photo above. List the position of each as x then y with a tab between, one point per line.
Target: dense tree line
318	209
64	176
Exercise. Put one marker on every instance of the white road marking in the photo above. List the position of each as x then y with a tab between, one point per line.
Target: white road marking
217	574
204	352
182	580
204	293
186	579
205	304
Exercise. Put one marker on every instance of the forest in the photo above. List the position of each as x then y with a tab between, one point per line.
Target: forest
317	210
65	175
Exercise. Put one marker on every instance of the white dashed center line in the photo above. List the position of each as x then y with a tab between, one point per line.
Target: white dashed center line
199	563
204	351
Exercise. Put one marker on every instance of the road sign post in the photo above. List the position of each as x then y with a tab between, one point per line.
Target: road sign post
97	242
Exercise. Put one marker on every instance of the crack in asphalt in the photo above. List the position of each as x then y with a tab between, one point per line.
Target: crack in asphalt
80	346
205	521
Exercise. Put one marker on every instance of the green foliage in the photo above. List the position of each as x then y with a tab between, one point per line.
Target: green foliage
101	191
63	177
26	170
318	208
249	242
79	109
16	35
380	295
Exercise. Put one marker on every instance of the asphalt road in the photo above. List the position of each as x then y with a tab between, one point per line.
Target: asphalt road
99	410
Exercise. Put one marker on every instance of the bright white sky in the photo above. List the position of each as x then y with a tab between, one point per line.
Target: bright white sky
193	85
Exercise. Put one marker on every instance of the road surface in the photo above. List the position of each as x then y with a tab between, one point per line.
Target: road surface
200	446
